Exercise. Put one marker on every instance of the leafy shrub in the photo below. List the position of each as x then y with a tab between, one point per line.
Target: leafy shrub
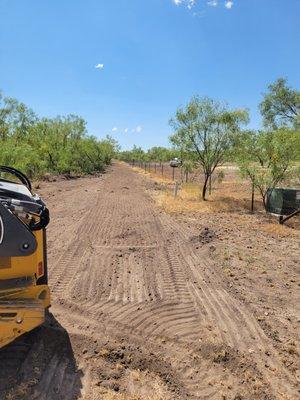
59	145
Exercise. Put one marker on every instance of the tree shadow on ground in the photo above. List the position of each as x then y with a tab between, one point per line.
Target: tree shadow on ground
234	204
40	365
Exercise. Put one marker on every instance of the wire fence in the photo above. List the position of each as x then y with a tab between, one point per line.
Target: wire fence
164	170
226	179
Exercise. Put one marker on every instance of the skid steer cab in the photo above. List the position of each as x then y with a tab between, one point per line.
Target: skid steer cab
24	293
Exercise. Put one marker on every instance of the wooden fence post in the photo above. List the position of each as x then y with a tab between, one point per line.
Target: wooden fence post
252	198
176	189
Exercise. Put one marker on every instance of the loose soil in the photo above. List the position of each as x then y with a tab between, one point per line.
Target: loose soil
152	306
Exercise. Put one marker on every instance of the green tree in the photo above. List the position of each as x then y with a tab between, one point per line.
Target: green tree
281	106
156	153
7	110
266	158
58	145
161	154
206	128
137	154
187	167
15	118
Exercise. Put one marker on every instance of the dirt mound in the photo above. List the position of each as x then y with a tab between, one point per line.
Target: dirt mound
207	235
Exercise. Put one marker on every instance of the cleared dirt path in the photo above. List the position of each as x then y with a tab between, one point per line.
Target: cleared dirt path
132	293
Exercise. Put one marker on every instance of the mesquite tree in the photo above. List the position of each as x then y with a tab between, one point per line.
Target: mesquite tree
281	106
58	145
206	129
266	158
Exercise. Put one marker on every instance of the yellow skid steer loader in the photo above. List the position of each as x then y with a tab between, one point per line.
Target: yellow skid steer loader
24	293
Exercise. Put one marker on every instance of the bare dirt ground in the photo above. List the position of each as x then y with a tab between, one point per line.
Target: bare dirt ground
151	306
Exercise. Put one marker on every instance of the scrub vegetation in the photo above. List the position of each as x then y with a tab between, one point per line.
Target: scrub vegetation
58	145
208	134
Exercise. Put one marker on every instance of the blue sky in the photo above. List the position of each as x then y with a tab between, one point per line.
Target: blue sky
156	54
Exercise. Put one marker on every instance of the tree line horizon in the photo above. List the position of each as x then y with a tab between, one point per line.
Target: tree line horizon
207	133
59	145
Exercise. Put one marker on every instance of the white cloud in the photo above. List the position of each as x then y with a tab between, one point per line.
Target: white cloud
189	3
138	129
99	66
212	3
229	4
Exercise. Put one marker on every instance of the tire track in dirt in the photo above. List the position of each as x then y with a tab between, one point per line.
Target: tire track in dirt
180	359
44	362
129	269
156	284
145	285
237	326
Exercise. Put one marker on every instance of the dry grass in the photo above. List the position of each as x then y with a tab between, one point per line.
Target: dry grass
223	199
156	177
282	230
232	196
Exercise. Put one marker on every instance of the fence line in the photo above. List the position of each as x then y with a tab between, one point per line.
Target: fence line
162	169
